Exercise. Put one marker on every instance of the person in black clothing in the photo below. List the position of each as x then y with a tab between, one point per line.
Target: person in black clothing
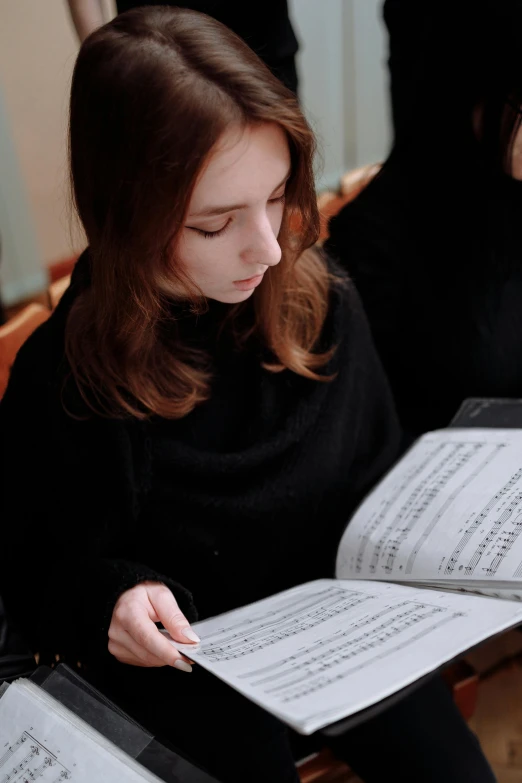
208	398
264	26
433	242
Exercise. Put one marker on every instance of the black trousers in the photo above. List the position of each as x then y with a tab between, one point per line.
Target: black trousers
422	739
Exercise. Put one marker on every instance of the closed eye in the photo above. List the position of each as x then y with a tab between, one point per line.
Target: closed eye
211	234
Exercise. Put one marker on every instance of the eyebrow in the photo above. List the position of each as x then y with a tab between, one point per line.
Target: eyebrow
210	211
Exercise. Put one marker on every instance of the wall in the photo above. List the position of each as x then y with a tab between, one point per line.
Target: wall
321	77
344	88
371	111
37	51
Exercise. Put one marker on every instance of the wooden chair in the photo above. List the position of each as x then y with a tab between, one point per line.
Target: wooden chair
352	183
323	767
355	180
462	679
329	204
57	289
62	268
14	333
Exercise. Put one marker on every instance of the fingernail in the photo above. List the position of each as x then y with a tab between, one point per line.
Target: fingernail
189	633
182	666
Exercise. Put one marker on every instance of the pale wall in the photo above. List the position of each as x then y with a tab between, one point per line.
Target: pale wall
37	51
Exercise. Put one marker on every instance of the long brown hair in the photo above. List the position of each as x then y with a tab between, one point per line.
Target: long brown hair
152	92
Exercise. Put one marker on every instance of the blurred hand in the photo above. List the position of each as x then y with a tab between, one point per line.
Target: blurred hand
133	635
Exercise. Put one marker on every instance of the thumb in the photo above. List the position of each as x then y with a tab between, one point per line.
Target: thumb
170	615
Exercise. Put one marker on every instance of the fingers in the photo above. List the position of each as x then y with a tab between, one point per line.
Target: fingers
133	635
145	635
170	615
127	650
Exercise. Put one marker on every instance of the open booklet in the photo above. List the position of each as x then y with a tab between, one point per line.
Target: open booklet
442	526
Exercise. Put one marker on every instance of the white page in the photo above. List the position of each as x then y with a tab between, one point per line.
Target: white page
38	741
479	588
325	650
451	509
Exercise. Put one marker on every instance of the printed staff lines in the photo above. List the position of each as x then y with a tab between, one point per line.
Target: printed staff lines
321	683
423	496
490	456
376	522
494	529
264	634
20	772
348	648
320	645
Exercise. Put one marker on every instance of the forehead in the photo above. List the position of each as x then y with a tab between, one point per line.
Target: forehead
246	163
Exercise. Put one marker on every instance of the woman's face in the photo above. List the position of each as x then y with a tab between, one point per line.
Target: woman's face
229	239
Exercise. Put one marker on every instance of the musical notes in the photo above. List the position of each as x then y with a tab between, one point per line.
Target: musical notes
378	519
409	505
312	666
292	681
450	510
266	630
513	500
353	643
27	760
12	749
42	741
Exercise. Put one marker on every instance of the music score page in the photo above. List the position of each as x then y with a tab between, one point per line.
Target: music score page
327	649
450	511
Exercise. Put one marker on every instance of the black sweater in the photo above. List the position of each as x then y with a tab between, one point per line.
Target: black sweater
438	265
245	496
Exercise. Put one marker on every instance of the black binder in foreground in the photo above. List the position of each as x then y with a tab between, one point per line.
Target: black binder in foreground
504	413
55	726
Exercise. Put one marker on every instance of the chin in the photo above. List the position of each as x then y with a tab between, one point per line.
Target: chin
234	297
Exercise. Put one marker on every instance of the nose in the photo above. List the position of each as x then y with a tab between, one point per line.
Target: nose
263	248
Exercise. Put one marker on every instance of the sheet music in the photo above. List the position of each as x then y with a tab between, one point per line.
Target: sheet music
40	741
327	649
26	760
450	510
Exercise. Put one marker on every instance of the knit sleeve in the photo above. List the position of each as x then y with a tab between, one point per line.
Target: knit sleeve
67	505
378	439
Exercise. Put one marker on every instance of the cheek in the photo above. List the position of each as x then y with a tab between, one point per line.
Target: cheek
194	255
205	259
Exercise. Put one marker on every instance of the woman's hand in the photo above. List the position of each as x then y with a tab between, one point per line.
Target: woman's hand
133	636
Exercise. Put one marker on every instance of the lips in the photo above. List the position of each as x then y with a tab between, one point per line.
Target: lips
248	283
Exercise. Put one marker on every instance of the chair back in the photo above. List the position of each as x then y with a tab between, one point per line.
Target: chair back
57	289
13	335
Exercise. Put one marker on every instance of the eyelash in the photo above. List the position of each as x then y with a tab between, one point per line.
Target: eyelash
213	234
210	234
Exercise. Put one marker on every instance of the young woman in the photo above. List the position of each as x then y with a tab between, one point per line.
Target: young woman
192	428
